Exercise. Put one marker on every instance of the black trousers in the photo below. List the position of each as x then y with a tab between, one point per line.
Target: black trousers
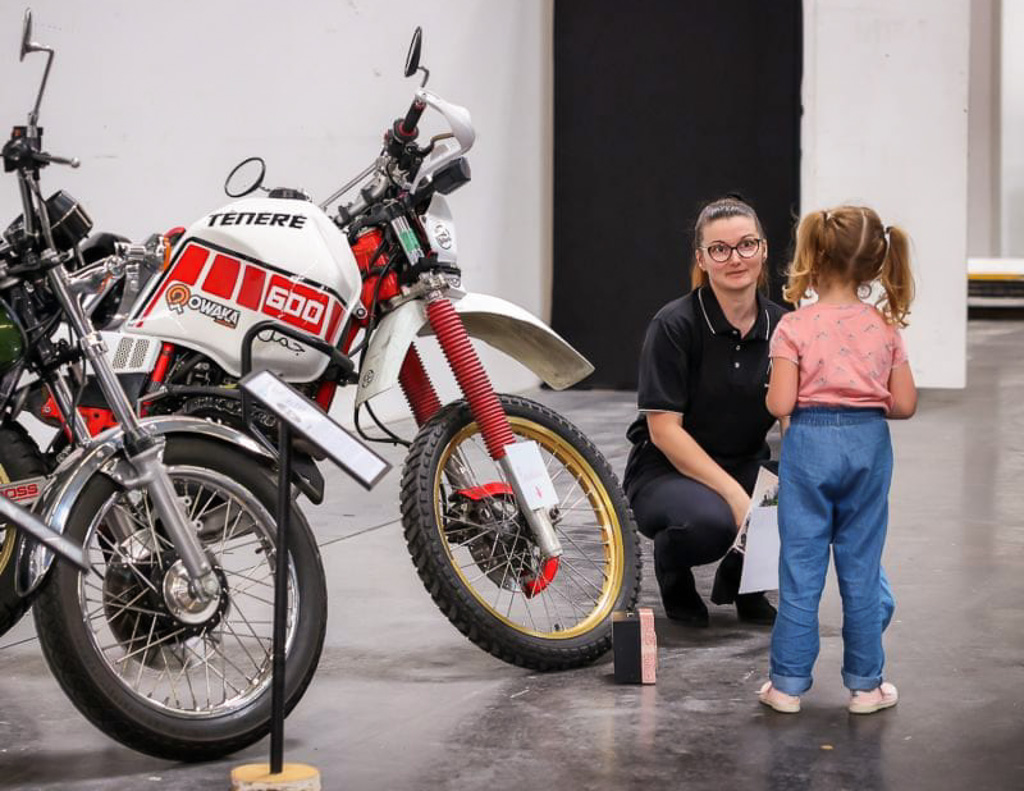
690	523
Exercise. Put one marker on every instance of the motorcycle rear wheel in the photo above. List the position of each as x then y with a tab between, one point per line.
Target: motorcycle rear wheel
476	557
134	659
20	458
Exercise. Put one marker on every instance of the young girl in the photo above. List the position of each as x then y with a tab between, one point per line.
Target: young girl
839	369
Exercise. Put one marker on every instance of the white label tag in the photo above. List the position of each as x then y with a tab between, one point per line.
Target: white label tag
532	475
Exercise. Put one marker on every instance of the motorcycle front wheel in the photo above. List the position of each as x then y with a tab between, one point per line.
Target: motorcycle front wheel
476	556
138	655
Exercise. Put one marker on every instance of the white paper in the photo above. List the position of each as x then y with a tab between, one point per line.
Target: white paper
532	475
761	559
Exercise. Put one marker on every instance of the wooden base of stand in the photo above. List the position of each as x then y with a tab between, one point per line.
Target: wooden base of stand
292	777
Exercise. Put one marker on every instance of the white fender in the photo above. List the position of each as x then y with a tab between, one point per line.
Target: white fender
495	321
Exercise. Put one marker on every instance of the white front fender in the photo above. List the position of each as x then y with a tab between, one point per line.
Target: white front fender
495	321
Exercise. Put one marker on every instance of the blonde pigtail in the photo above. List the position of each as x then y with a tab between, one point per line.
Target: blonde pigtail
810	245
897	278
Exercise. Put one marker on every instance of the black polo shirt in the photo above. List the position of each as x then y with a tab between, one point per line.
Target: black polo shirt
695	363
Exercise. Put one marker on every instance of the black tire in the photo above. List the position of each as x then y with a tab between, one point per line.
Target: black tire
20	458
447	534
164	724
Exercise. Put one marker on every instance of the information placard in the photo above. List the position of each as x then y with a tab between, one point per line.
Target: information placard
305	417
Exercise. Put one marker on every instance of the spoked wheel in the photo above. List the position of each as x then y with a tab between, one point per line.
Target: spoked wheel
144	659
19	459
476	555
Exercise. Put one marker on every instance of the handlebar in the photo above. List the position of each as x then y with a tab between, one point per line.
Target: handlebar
49	159
368	195
22	153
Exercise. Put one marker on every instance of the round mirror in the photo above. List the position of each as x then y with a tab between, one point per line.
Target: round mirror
26	34
246	177
412	60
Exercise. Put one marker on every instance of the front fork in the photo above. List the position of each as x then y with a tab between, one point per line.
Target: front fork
144	452
483	405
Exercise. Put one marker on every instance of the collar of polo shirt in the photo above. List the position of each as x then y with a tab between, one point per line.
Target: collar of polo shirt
719	324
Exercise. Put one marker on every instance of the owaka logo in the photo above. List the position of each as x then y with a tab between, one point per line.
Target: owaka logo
179	298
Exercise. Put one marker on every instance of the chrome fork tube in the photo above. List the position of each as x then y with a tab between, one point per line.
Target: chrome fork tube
145	452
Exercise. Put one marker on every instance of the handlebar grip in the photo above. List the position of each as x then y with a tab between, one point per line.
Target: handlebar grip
406	129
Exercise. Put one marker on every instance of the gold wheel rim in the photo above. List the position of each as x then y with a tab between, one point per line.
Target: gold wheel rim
607	523
7	533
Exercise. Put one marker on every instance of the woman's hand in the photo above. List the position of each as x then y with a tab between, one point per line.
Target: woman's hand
739	503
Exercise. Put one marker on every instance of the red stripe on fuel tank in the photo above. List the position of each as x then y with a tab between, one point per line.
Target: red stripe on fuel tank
251	293
220	282
333	324
186	271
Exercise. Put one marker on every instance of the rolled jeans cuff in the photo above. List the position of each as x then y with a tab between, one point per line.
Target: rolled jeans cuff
861	683
791	685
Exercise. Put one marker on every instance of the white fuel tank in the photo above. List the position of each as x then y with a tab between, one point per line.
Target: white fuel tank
253	260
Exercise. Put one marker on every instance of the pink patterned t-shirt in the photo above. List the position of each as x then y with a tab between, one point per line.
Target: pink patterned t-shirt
845	354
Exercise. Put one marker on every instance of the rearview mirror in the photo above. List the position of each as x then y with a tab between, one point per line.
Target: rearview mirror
26	34
412	60
27	44
246	177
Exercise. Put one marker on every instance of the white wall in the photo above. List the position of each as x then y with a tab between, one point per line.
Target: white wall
160	100
885	124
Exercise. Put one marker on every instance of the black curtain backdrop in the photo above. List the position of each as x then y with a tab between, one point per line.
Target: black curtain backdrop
660	106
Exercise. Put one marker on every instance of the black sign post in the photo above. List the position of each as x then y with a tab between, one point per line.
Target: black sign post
297	413
23	519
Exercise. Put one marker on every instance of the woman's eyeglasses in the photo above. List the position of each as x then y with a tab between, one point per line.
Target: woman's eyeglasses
721	252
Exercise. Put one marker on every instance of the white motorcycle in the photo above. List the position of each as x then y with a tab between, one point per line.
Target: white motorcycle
515	522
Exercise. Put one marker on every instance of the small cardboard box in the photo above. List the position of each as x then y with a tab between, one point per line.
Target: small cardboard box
634	646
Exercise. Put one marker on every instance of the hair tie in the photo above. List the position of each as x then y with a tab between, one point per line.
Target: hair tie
825	213
885	235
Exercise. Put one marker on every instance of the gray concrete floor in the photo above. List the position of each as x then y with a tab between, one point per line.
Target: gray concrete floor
402	701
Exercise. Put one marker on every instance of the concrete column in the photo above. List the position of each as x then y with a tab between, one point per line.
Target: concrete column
885	124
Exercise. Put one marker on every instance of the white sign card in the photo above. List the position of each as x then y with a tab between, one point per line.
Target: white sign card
532	475
761	560
758	539
306	418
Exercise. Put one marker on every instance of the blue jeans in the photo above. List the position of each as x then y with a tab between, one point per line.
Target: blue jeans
834	479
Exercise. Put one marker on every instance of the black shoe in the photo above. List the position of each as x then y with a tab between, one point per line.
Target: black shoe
691	613
755	608
675	581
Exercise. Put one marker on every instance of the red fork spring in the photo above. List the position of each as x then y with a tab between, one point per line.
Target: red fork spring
416	385
470	374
